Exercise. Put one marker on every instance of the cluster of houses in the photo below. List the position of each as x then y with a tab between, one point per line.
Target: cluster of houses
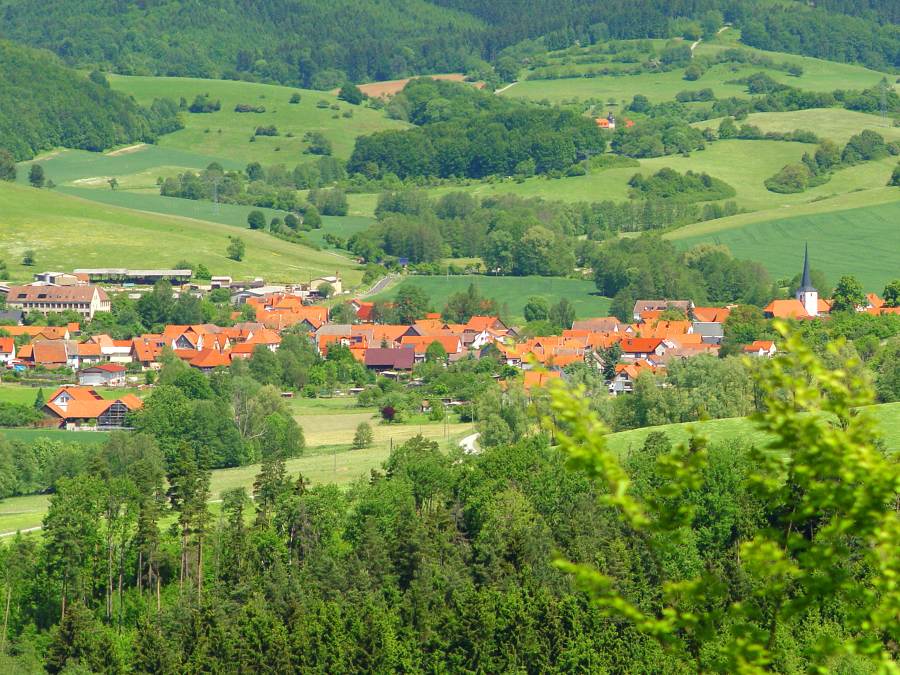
660	332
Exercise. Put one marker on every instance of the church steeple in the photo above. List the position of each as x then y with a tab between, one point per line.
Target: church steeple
807	293
805	281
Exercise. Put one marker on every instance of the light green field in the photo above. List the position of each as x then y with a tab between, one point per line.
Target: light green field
30	435
744	165
863	241
226	134
512	292
334	463
66	232
25	395
887	417
836	124
818	75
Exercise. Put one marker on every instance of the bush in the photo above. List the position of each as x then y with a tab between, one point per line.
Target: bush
792	178
249	108
270	130
295	98
363	436
204	104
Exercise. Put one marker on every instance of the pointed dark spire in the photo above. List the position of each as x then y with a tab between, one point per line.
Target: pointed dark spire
805	281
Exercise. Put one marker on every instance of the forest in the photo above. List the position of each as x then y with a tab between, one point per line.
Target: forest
310	44
47	105
544	553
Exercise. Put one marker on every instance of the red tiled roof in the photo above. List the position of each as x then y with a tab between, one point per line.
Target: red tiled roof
210	358
107	367
639	345
7	345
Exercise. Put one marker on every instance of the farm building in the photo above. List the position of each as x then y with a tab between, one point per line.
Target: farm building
104	374
85	300
76	408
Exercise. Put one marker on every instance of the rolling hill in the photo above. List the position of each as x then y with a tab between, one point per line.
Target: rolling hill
67	232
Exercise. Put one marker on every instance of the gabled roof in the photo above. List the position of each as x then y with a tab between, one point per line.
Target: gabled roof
7	345
482	323
538	378
420	343
711	314
49	352
106	368
787	309
88	349
398	359
81	294
601	324
210	358
640	345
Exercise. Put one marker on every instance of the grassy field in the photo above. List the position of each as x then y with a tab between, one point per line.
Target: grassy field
512	292
863	241
742	164
887	417
329	425
836	124
87	234
226	134
818	75
25	394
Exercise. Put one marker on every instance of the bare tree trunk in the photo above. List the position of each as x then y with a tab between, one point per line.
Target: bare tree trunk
121	575
140	573
183	560
157	591
199	568
109	582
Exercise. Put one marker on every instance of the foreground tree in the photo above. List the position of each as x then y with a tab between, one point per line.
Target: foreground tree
828	538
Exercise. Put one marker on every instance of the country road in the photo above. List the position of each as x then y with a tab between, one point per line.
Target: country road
469	444
380	285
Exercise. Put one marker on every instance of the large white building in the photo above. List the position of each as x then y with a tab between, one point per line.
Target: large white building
43	299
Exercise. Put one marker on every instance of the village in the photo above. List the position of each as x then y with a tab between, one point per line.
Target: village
661	331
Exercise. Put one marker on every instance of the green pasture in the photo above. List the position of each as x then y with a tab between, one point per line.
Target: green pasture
836	124
511	293
744	165
67	232
887	417
11	392
818	75
862	241
226	134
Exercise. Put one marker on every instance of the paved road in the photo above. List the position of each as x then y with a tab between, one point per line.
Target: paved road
469	444
380	285
502	89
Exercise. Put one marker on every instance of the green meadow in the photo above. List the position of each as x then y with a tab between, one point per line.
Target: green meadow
818	75
511	293
862	241
66	232
226	134
886	416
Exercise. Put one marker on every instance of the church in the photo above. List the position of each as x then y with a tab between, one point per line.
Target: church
805	304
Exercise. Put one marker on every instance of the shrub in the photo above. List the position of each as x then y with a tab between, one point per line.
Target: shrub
792	178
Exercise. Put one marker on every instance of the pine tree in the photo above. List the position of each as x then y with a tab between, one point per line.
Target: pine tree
39	401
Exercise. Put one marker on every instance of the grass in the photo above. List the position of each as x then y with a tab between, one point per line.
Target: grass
226	134
862	241
328	459
30	435
887	417
67	232
742	164
836	124
818	75
25	394
512	292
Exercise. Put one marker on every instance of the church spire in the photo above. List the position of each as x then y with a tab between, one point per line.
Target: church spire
805	281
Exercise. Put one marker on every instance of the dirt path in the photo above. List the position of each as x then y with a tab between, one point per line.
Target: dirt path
502	89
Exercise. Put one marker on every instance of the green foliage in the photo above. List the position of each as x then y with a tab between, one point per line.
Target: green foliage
895	177
791	563
256	220
669	184
236	248
36	176
464	305
350	93
847	295
46	105
7	165
363	436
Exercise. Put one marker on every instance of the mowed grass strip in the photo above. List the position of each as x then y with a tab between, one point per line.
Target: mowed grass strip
226	134
66	232
511	293
863	241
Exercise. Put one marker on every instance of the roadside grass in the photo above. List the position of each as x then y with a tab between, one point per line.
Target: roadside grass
510	293
862	241
818	75
886	416
89	234
226	134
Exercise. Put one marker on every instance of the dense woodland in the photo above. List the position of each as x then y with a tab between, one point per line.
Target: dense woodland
301	42
46	105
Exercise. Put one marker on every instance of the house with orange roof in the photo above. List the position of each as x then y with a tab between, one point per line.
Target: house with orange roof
765	348
7	350
83	408
642	348
710	314
363	310
266	337
39	332
538	379
881	311
452	344
642	307
207	360
627	373
786	309
873	301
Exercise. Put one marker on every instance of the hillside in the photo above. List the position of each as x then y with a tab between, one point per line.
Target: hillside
43	105
88	234
226	134
862	241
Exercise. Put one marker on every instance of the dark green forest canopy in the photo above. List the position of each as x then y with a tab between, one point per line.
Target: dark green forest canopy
320	45
44	104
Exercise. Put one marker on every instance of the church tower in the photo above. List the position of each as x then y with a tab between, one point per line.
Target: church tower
807	294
